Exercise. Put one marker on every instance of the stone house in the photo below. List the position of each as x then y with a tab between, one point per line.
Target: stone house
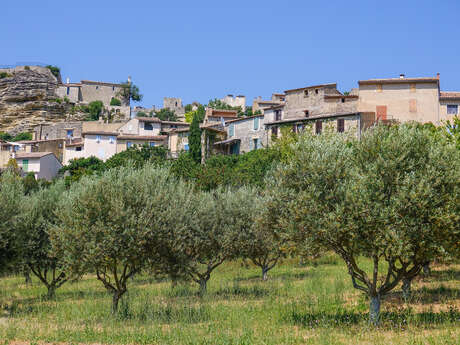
44	165
216	116
244	134
258	104
178	141
237	101
318	99
60	130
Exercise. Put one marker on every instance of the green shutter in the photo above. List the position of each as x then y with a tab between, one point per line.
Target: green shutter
25	165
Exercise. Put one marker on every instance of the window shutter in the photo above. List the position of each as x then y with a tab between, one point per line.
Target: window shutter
256	123
251	145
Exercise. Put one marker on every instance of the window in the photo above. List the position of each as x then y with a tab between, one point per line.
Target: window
97	87
129	144
305	93
256	143
413	87
275	131
186	147
111	140
343	100
231	130
152	144
452	109
277	115
25	165
319	126
68	90
113	88
69	133
256	123
148	126
379	88
78	148
341	125
316	91
307	113
98	138
299	128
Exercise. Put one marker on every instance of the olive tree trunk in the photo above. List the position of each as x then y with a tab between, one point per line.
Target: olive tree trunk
374	310
406	287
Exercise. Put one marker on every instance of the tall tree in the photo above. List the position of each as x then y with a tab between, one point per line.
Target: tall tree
195	139
166	114
129	91
391	197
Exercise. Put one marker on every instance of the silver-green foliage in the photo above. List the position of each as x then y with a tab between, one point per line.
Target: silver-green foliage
11	197
38	216
391	196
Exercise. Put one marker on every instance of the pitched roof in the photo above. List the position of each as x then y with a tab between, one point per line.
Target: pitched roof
176	123
148	119
142	137
91	82
399	81
33	154
312	87
244	118
450	95
316	117
100	133
340	96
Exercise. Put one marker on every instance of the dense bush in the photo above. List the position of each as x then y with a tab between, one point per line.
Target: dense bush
115	102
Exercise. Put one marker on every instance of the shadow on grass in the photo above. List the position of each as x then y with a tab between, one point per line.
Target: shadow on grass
444	275
398	319
425	295
278	276
160	313
224	292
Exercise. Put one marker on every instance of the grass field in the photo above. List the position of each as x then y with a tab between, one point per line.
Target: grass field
312	304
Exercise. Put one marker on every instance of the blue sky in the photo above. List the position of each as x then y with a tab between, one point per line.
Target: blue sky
200	50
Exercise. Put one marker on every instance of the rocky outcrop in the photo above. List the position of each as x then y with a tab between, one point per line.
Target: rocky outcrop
28	98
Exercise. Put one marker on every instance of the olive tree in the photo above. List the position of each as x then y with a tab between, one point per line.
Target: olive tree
104	224
37	218
11	197
219	217
390	197
263	242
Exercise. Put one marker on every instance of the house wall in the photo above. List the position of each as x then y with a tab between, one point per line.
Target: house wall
57	130
104	149
33	166
4	158
122	143
74	94
99	92
398	99
244	130
49	167
177	142
72	153
238	101
443	109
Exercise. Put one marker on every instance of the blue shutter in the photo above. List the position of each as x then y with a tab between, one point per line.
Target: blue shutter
256	123
231	130
251	145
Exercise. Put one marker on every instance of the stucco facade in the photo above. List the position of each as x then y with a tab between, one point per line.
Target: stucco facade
44	165
449	105
401	99
237	101
247	134
60	130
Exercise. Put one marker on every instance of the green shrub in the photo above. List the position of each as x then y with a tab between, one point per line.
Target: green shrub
5	136
4	75
66	99
22	136
27	68
115	102
56	71
95	109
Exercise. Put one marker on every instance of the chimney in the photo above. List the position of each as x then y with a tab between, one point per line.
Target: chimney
402	75
437	75
67	80
129	79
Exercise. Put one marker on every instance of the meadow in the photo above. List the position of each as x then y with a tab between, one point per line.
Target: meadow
312	303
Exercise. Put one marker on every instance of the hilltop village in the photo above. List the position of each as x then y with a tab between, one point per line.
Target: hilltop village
71	120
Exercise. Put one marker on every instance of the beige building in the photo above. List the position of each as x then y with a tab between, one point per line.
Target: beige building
44	165
178	141
401	99
215	116
258	104
238	101
103	140
449	104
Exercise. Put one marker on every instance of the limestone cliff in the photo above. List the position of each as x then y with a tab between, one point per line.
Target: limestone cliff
28	98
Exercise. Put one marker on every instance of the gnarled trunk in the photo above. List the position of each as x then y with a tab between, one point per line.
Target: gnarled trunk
203	286
374	310
27	277
115	299
51	291
406	287
265	270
